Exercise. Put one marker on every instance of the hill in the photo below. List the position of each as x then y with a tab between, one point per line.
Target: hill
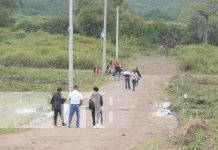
154	9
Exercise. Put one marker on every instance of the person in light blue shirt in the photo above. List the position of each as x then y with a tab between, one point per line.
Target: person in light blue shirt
75	98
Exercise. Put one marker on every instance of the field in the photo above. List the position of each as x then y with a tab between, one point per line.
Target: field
44	50
194	97
198	59
201	103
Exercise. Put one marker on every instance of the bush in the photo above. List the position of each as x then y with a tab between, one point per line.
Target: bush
6	19
27	26
197	58
57	25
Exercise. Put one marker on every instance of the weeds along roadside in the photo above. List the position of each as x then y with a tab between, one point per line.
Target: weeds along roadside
194	98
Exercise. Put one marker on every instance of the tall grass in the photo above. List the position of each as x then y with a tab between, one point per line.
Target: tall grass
201	103
15	79
41	49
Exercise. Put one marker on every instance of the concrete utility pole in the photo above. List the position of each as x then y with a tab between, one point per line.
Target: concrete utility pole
117	35
70	45
105	39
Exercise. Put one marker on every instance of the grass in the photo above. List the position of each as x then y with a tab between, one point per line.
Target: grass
202	102
16	79
155	144
10	130
197	58
43	50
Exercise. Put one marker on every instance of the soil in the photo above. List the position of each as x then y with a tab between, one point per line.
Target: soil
133	122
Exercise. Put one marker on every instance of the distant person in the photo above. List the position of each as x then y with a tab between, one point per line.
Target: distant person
134	77
98	103
117	72
139	75
56	102
109	67
95	70
126	75
75	98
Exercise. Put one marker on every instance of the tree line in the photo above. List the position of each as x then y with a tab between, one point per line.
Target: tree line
201	23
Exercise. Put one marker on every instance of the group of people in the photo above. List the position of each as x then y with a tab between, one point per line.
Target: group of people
76	100
114	68
135	76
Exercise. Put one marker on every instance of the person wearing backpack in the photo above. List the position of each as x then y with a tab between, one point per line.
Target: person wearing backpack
96	103
134	77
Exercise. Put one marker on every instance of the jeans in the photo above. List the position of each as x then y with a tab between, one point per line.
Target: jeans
133	84
127	83
74	108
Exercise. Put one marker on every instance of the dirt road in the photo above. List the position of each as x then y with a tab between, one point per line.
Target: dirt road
129	117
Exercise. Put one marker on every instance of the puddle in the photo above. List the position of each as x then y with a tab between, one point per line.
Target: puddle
164	110
25	111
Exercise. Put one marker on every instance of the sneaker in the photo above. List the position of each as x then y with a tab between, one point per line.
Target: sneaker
96	126
64	124
55	126
101	127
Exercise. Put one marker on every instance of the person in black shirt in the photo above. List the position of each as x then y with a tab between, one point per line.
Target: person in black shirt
56	102
139	75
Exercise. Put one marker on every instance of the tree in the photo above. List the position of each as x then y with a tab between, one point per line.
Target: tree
206	11
11	5
5	19
56	25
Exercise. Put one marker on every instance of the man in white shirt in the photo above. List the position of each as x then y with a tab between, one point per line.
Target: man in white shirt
75	98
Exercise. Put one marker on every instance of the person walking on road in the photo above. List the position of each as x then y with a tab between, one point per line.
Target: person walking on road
57	102
139	75
98	103
126	75
134	77
75	98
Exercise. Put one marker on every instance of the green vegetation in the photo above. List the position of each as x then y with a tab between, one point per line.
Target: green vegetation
194	97
197	58
160	9
44	80
40	49
10	130
201	102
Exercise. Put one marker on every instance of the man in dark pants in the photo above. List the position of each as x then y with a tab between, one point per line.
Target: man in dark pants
126	75
139	75
56	102
95	104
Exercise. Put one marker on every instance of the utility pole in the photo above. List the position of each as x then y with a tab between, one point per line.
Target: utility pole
70	45
105	39
117	35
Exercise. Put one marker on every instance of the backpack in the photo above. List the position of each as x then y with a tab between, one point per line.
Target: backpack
91	104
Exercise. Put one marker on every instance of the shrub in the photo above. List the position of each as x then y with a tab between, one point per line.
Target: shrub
197	58
27	26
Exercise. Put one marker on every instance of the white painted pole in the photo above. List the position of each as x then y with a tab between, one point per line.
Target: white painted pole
105	39
70	45
117	35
